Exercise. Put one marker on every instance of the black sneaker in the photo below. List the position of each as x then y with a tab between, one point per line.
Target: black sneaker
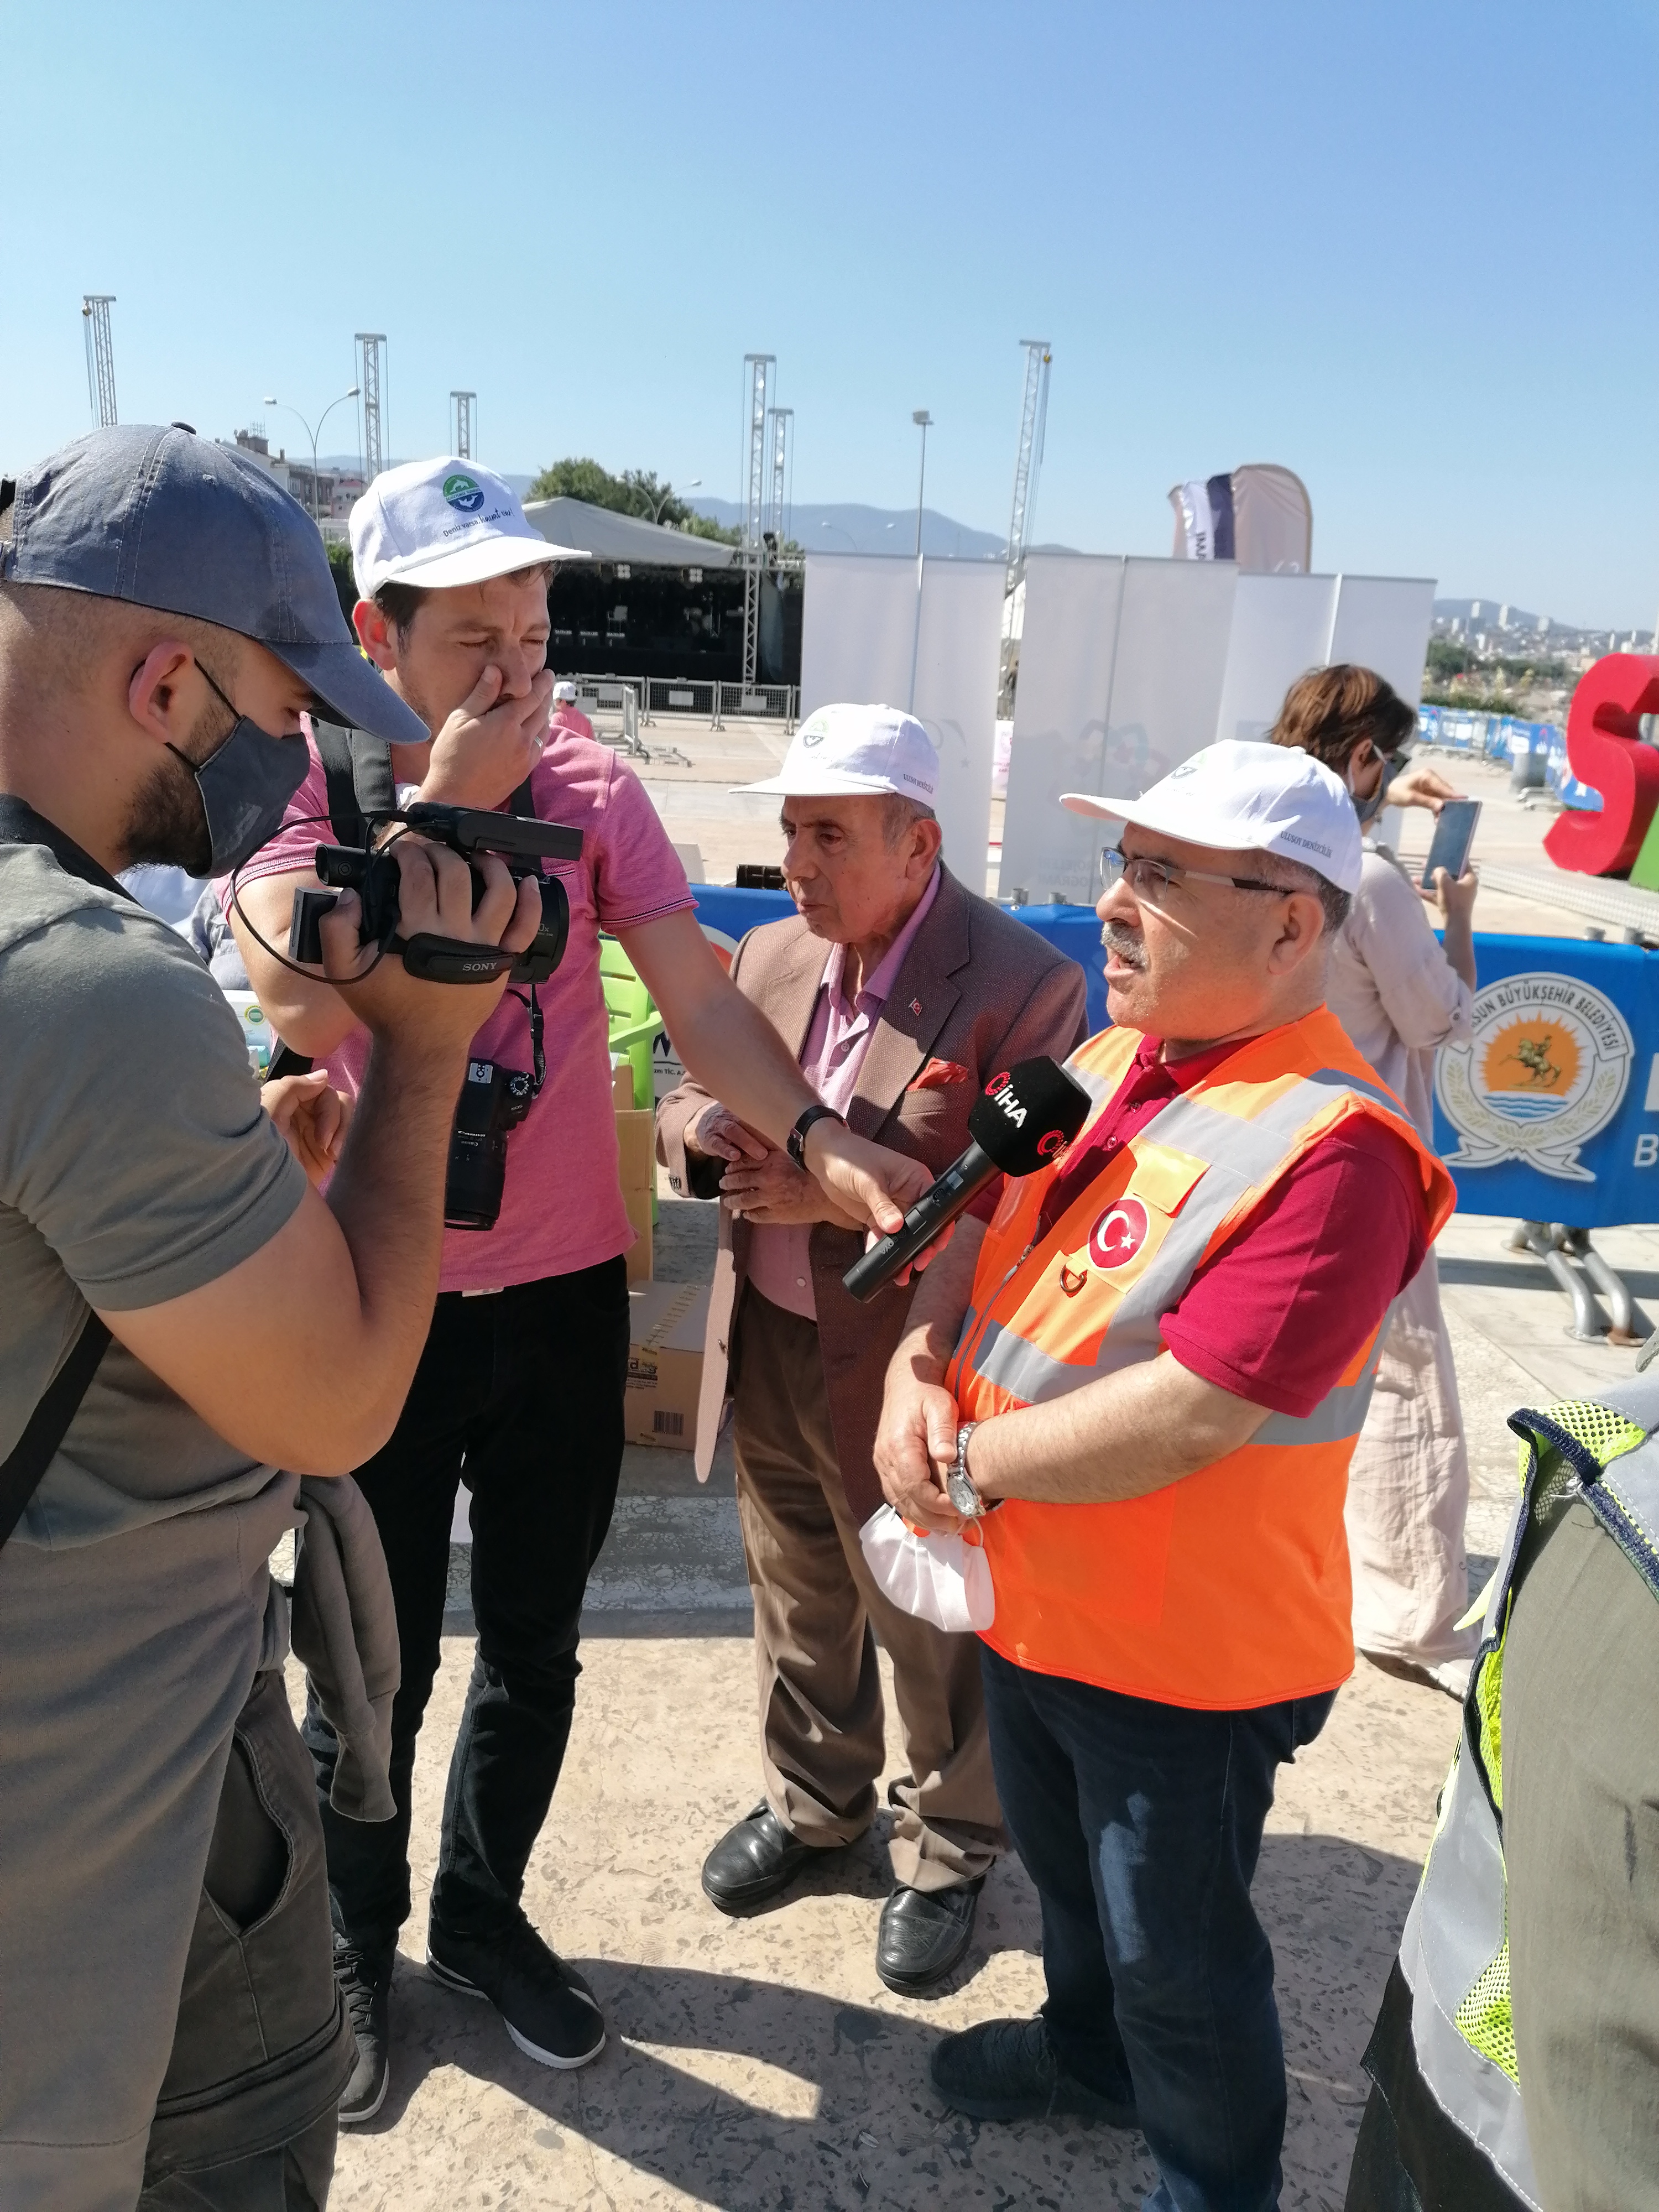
364	1975
550	2012
1007	2070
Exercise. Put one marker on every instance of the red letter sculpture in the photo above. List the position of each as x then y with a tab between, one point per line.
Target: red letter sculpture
1605	750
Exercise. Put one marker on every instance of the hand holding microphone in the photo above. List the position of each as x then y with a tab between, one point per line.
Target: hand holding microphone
1025	1117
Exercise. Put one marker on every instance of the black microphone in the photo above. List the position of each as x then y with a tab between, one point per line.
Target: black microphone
1021	1119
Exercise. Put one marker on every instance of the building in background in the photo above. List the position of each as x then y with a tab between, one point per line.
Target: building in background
328	493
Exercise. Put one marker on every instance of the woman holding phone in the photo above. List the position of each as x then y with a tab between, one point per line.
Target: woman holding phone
1400	993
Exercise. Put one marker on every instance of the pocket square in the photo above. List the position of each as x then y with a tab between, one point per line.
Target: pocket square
938	1073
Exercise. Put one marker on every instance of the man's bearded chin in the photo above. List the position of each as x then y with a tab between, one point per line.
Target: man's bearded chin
1124	944
168	827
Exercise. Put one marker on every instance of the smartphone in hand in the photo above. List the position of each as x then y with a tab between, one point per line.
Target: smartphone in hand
1453	835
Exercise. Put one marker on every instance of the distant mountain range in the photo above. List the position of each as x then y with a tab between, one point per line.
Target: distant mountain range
849	528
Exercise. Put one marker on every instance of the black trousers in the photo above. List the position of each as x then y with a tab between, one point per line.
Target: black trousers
520	1395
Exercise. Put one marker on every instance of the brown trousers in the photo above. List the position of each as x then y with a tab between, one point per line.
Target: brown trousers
818	1613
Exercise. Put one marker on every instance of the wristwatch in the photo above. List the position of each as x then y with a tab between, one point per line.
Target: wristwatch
957	1483
795	1144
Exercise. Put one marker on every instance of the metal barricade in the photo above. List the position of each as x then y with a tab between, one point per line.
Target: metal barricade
761	702
702	697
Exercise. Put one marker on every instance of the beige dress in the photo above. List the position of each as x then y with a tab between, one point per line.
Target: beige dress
1398	997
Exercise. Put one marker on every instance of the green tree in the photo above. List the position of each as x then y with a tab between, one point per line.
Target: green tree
636	491
1447	658
345	581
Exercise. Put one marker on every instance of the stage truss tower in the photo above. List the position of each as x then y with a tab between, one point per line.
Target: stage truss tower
371	375
101	356
780	431
760	374
1028	463
465	405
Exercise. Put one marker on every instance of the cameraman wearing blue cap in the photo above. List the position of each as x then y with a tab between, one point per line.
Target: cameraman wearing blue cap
184	1324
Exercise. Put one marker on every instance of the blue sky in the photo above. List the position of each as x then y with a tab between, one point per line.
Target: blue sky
1406	249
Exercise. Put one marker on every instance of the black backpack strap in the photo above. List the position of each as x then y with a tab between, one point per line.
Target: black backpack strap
48	1424
362	788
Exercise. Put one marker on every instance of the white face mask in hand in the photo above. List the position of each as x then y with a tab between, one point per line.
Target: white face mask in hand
945	1580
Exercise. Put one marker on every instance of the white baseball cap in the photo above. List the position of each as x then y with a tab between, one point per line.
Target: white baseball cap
566	693
1242	794
851	750
436	524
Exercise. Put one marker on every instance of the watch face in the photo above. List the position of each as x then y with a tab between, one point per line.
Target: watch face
963	1496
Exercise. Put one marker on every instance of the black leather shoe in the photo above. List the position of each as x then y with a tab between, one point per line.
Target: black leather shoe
1006	2070
923	1934
752	1861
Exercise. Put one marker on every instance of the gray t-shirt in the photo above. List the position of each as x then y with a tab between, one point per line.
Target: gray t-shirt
136	1164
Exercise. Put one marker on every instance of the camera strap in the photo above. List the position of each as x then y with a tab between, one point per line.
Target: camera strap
361	789
22	1470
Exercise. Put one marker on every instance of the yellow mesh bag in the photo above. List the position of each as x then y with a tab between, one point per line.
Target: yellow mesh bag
1484	2018
1605	1435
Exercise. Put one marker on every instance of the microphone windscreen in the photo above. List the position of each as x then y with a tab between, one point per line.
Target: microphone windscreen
1026	1114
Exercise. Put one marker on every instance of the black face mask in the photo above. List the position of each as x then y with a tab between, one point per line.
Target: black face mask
246	783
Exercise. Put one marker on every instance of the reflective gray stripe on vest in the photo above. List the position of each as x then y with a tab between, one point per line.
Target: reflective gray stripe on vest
1237	1154
1452	1933
1339	1414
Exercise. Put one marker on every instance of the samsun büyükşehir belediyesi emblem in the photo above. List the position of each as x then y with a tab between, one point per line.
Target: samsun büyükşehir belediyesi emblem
1544	1071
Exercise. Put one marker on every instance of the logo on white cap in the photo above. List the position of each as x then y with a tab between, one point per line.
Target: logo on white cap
464	494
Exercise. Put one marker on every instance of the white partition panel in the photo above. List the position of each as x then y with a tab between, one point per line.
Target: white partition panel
867	636
1382	623
1120	673
1072	602
1281	628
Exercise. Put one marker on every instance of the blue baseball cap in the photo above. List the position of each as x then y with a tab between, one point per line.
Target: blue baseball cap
162	519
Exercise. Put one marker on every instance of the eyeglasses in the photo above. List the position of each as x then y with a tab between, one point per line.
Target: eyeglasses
1151	879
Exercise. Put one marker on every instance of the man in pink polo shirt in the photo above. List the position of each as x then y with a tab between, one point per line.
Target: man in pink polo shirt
901	992
519	1390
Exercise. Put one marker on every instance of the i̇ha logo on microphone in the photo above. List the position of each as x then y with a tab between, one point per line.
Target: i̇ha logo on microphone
1119	1234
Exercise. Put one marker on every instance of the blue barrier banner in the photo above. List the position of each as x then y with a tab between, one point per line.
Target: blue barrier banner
726	914
1551	1113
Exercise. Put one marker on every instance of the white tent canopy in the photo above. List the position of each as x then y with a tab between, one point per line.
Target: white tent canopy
611	537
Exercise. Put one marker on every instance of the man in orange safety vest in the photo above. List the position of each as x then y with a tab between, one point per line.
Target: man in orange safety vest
1137	1378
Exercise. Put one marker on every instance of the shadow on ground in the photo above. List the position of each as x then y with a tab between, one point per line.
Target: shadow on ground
723	2088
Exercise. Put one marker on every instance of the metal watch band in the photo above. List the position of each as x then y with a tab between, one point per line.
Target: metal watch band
796	1144
958	1483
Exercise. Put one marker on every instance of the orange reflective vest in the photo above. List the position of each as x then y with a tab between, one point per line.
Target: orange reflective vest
1229	1587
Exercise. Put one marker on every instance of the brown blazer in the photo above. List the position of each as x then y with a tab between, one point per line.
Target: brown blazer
977	988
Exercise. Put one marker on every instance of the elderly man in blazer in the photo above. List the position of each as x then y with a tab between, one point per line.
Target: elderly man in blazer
900	993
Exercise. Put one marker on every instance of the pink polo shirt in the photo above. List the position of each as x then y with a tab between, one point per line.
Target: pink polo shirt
562	1207
779	1265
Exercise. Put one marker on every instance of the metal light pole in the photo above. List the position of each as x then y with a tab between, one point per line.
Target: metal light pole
696	485
923	421
313	436
840	533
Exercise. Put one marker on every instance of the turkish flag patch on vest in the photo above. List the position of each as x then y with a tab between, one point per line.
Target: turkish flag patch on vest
1119	1234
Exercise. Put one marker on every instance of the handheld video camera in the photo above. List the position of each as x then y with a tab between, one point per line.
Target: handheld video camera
520	841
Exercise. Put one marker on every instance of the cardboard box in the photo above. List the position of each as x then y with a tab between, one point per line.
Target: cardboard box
636	1166
622	1082
664	1363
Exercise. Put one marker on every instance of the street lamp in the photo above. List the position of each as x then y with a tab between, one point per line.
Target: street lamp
314	434
846	534
923	421
696	485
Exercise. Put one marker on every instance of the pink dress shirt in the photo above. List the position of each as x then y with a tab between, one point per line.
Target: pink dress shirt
780	1267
